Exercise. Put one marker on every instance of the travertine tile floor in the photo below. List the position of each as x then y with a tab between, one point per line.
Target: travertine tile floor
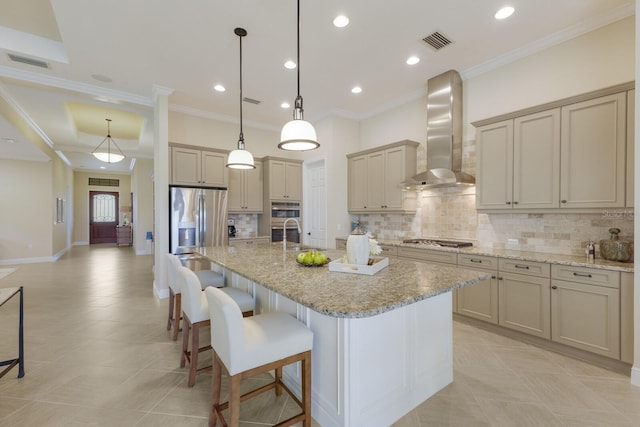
98	354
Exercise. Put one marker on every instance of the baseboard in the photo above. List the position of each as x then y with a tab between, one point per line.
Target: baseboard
160	293
585	356
80	243
635	376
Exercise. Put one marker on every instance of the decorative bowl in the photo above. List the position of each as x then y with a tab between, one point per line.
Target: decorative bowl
614	249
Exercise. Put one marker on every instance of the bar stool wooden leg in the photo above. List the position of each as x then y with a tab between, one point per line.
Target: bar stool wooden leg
234	400
185	340
170	319
216	379
176	321
306	389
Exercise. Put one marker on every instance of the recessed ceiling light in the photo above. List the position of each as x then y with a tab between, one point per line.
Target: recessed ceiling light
504	13
356	89
285	105
8	140
413	60
103	167
219	88
341	21
290	65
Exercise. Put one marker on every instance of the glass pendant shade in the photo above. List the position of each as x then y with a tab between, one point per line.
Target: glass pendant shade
106	153
240	159
108	157
298	135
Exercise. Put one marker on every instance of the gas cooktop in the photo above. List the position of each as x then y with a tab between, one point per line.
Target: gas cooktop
439	242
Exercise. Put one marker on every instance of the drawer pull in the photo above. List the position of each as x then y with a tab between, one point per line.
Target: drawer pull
582	274
524	267
554	287
479	261
493	277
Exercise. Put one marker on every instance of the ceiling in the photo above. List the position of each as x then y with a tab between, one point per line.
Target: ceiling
105	58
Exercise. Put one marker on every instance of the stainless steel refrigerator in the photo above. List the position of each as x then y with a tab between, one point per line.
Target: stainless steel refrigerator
197	218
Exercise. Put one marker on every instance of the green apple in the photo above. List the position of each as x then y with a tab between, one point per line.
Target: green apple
308	258
300	257
319	258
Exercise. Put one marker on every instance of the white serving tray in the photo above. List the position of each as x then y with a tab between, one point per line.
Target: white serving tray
340	265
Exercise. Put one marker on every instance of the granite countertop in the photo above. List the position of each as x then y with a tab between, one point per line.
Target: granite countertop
575	261
335	294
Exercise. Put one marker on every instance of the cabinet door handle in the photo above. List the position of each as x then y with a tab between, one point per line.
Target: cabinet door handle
582	275
515	203
554	287
563	201
524	267
500	278
508	203
493	277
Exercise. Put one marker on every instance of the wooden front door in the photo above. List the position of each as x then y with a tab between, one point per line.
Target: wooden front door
103	216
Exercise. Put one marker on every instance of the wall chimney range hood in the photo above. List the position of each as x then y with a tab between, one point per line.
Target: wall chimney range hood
444	136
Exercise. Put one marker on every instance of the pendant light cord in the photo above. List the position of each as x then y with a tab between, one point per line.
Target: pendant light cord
241	137
298	49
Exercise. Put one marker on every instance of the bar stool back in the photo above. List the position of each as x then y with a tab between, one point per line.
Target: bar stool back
195	315
245	347
175	296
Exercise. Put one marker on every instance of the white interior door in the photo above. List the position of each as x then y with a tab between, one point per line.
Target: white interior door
315	210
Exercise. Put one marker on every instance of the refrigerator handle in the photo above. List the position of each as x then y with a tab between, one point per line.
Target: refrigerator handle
201	219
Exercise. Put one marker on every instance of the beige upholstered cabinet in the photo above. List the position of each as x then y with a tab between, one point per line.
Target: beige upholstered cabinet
245	190
585	309
523	288
626	317
480	300
519	162
195	167
283	179
374	178
593	152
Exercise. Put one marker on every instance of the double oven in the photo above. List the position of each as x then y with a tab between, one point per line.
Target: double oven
280	212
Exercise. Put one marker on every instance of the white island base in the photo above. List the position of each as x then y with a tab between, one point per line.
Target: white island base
369	371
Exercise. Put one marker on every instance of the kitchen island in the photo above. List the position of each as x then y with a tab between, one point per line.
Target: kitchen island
382	343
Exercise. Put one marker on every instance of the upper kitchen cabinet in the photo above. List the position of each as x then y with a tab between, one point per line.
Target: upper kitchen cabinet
572	154
283	179
190	166
519	163
374	178
245	190
631	111
593	152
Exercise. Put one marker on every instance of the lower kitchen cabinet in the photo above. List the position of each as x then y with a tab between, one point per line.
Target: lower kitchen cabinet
586	315
479	300
626	317
525	304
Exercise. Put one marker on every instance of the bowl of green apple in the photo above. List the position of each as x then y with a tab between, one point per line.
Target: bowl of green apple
312	258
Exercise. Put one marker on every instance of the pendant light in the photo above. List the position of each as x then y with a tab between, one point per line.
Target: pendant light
105	154
240	158
298	134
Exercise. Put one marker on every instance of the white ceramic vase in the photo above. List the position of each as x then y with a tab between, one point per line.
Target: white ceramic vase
358	249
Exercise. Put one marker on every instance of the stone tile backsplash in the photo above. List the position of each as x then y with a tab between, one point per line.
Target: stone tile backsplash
246	224
450	213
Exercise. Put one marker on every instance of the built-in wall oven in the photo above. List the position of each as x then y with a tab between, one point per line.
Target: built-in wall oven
280	212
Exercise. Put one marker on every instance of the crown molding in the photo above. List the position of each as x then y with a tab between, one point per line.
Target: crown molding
220	117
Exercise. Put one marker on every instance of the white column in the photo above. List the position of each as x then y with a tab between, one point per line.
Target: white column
160	188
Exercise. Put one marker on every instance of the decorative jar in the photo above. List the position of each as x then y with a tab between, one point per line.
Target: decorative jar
358	247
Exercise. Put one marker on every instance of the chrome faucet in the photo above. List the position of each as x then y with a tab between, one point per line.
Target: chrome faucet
284	232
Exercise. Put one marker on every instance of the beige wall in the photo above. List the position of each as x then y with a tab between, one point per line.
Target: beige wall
81	190
576	66
26	210
142	187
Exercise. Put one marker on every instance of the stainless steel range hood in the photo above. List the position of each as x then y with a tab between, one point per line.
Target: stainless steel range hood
444	135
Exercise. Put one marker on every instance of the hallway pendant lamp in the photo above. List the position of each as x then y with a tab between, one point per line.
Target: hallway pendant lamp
298	134
240	158
105	153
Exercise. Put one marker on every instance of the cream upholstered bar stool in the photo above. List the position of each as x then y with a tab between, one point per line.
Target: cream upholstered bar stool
245	347
206	278
195	315
175	297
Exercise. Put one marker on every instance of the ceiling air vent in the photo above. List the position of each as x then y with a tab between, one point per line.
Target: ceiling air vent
28	61
251	100
437	40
